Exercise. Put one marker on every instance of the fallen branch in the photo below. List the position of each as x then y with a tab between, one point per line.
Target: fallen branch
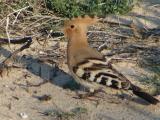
15	40
26	40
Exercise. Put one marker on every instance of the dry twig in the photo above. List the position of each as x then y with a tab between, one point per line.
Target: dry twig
7	22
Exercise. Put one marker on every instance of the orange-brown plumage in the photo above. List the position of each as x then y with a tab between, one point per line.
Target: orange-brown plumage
75	31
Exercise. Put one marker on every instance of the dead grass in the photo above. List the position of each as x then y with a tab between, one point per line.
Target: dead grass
27	18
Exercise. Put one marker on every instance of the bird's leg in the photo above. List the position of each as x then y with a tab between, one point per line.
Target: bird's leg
91	94
121	94
127	97
130	98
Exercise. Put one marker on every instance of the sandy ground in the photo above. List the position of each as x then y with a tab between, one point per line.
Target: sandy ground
17	98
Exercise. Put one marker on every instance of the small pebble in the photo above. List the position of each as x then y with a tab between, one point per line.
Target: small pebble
44	97
6	86
23	115
41	52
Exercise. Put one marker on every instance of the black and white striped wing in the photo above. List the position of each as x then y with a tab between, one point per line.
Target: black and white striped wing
94	70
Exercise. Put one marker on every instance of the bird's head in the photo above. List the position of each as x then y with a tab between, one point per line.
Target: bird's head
77	27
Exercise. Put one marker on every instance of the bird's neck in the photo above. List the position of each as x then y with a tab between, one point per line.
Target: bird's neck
78	42
75	43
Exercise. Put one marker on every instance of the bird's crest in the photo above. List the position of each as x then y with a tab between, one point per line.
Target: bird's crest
78	24
86	20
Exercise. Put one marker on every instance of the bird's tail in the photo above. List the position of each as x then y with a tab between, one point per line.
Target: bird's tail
138	92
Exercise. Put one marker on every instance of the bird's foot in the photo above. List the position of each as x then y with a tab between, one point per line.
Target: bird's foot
92	95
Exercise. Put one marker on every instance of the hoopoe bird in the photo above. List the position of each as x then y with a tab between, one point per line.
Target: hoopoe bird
89	67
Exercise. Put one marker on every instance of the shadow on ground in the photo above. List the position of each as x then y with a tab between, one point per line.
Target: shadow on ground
45	71
60	78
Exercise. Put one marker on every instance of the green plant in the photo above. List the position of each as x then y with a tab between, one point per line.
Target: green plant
72	8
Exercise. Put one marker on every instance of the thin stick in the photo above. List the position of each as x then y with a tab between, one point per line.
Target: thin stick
16	18
18	10
7	22
7	32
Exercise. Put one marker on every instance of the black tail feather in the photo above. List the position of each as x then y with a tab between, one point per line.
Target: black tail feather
137	91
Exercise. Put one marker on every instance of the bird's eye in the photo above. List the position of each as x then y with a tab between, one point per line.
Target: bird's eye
72	26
